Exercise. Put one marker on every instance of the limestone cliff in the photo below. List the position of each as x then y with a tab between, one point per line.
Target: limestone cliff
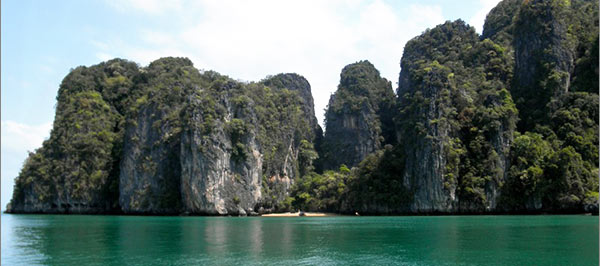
498	25
221	159
293	151
168	139
216	146
76	169
150	169
358	119
548	37
452	117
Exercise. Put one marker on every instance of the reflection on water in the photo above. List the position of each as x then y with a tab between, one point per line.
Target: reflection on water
450	240
256	239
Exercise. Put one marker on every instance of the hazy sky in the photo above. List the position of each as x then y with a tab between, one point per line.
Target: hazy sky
248	40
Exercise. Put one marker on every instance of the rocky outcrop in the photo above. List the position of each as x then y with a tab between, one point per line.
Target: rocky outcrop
544	58
218	175
299	84
549	39
169	139
358	120
151	170
206	144
446	107
289	145
498	25
76	169
351	136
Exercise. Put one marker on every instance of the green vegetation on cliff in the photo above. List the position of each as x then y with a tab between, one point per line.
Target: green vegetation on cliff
502	122
359	116
459	147
78	166
453	101
117	142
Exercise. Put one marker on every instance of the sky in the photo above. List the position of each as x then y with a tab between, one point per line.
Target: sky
246	40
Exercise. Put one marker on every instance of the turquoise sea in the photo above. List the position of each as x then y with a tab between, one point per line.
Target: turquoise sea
343	240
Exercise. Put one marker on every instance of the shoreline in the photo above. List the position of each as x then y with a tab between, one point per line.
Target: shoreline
304	214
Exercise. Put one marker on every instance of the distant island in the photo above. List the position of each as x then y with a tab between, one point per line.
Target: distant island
503	122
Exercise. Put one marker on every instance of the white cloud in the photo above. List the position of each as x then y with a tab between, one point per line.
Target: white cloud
19	137
151	7
104	56
249	40
478	19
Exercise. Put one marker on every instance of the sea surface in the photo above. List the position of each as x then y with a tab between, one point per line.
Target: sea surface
342	240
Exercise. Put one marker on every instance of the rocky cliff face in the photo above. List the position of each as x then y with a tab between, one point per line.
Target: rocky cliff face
76	169
168	139
351	135
549	36
289	135
551	47
498	25
297	83
216	146
358	120
221	162
544	60
151	169
457	117
452	117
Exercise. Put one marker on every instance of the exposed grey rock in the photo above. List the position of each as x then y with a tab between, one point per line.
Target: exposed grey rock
350	136
77	166
283	163
150	170
425	166
544	58
201	158
212	180
358	120
436	118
